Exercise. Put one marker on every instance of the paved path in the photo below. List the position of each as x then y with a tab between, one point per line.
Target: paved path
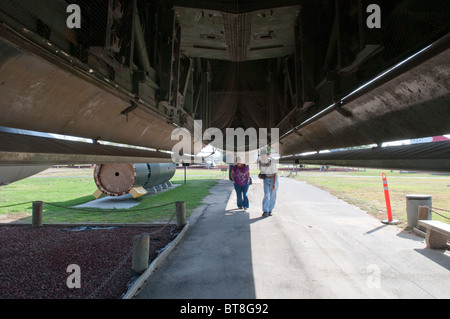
314	246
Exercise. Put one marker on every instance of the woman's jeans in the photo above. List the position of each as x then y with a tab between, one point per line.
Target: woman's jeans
241	193
270	195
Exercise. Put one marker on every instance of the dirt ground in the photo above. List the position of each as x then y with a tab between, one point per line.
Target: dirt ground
34	261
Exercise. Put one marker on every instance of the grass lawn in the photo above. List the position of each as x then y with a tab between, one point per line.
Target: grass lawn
71	187
365	189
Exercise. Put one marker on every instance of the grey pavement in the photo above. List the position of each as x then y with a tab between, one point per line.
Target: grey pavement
314	246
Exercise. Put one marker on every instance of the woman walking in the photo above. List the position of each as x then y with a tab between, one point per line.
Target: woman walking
240	174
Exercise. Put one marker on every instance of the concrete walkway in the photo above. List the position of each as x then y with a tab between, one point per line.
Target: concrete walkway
314	246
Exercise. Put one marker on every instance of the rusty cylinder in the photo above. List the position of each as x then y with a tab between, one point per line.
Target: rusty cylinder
120	179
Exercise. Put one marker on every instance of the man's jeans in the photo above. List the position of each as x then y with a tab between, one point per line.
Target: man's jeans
241	193
270	195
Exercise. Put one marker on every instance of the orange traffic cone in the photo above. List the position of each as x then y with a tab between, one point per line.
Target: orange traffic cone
388	221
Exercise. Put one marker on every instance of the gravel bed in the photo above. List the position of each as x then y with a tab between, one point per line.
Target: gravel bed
34	262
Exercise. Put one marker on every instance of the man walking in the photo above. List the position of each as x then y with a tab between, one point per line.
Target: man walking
268	173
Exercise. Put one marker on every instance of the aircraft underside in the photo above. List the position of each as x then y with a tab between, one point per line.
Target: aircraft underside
322	72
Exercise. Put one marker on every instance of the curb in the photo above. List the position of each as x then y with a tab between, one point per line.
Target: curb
140	282
143	225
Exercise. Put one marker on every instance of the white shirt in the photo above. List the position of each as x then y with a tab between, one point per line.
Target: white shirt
269	167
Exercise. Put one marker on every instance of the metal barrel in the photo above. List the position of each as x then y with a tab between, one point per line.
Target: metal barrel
119	179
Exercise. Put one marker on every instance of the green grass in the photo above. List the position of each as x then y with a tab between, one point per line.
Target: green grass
53	189
360	188
69	191
365	190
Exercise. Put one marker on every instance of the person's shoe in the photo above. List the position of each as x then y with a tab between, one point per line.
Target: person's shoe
270	213
245	208
240	207
265	214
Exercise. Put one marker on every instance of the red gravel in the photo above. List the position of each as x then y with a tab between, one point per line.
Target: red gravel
33	262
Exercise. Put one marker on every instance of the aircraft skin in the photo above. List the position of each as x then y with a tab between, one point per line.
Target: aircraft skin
13	173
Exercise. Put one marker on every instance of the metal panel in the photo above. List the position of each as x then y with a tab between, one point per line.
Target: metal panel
42	96
433	156
260	34
409	103
33	150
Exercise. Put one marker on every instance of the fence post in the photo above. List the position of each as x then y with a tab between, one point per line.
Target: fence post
423	213
180	208
141	253
37	214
